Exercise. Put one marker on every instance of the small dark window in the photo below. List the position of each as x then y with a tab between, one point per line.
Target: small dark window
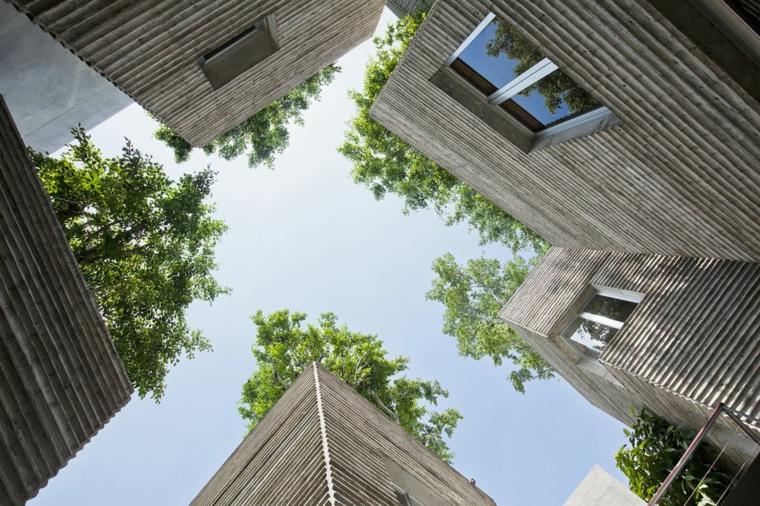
403	498
242	52
516	76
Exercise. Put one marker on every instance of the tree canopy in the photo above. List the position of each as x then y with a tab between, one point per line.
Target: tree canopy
265	134
285	345
473	294
384	163
145	245
654	447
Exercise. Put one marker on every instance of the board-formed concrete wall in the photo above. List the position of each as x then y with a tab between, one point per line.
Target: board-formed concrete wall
324	444
403	8
150	50
691	342
679	175
47	89
61	379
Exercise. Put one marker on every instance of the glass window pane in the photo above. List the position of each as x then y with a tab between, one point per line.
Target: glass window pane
591	334
609	307
554	98
496	66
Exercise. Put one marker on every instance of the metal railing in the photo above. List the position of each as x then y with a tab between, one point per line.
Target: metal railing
719	409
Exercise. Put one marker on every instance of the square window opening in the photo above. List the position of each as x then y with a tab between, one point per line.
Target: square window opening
516	77
240	53
601	318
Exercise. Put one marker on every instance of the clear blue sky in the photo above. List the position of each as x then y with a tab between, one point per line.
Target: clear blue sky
304	236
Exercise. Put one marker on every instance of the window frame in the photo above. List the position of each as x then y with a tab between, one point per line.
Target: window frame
579	125
409	499
604	291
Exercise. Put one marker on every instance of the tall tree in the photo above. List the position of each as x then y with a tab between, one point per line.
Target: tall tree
285	346
653	449
145	245
386	164
473	294
265	134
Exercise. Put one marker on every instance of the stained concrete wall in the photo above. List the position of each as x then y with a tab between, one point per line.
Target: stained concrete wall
49	90
679	175
61	378
403	8
150	50
324	444
690	343
600	488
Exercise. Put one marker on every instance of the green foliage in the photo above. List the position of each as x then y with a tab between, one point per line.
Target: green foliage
386	164
473	295
145	245
555	88
653	449
265	134
285	347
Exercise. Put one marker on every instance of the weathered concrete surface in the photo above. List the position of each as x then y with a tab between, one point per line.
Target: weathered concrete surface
600	488
47	89
403	8
61	379
679	176
324	444
150	50
691	342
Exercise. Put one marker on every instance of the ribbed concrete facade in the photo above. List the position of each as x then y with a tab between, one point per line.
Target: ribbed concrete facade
691	342
61	379
678	176
324	444
150	50
403	8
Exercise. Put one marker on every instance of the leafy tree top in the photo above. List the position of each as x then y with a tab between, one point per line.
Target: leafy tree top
264	135
473	295
286	345
653	449
384	163
145	245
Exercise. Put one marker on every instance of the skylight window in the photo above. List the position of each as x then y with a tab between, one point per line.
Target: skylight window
517	77
602	317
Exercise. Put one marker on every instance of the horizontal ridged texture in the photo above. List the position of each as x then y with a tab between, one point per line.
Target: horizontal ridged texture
150	49
280	462
690	343
750	8
362	439
285	459
678	177
61	379
403	8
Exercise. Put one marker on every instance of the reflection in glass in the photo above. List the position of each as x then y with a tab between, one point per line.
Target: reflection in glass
495	67
599	321
555	98
609	307
498	55
591	334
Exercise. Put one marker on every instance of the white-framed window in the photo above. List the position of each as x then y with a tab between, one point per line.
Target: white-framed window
404	498
602	317
516	77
